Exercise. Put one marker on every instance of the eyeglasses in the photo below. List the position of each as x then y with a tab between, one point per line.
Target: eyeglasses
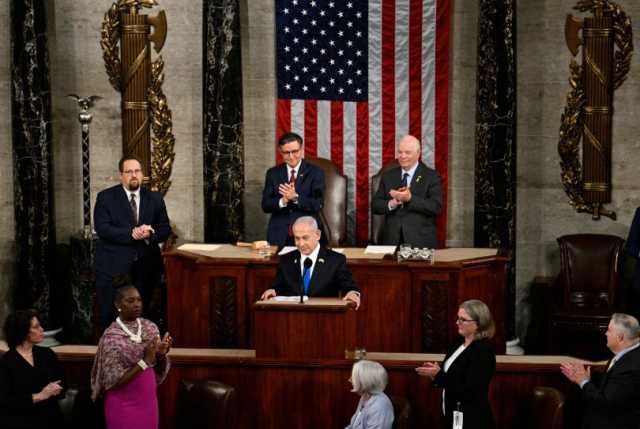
290	152
132	172
460	320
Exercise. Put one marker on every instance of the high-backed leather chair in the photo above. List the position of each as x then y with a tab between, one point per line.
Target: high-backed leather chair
377	221
586	294
546	409
205	404
401	412
334	211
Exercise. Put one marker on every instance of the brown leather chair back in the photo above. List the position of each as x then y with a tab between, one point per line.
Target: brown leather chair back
589	270
377	221
401	412
334	211
546	409
205	404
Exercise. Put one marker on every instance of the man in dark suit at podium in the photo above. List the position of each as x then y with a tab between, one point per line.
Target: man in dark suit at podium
410	197
319	271
292	189
130	222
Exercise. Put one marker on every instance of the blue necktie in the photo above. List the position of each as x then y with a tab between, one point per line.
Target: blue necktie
306	280
405	178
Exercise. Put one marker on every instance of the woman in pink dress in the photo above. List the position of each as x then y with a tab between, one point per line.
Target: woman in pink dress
130	362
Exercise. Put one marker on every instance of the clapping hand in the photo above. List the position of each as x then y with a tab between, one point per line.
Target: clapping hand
576	372
288	192
150	351
428	369
401	195
52	389
142	232
164	346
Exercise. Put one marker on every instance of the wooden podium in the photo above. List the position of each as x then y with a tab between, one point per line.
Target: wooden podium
406	306
321	328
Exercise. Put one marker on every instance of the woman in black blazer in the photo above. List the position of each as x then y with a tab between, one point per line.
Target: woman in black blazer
30	377
467	369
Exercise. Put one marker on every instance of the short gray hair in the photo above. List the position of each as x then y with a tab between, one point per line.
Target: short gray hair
627	325
368	376
306	220
480	313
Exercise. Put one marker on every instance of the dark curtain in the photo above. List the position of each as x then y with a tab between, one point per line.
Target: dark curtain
32	158
495	171
222	118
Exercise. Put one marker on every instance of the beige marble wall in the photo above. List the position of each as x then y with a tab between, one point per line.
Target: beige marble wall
77	67
462	119
543	210
259	95
7	233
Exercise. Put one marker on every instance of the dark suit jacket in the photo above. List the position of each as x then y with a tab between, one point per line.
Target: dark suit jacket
467	382
310	189
416	220
330	275
612	398
633	249
116	249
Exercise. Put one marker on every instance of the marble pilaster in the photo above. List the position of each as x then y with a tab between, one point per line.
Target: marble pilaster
223	145
495	172
32	159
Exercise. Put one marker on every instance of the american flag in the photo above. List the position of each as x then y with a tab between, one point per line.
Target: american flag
354	76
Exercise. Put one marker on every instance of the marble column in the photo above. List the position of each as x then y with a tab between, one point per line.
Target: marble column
32	161
495	169
223	152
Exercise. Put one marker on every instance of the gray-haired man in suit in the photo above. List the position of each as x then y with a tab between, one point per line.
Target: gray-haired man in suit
611	397
410	197
319	271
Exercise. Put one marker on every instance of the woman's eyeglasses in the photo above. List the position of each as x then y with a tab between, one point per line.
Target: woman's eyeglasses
461	320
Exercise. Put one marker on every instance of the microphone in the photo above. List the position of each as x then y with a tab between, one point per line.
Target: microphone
307	266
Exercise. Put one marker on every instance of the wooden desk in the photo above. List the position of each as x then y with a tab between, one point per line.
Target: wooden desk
321	328
316	394
406	307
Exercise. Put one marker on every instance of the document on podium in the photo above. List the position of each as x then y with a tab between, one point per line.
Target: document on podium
290	298
380	250
287	249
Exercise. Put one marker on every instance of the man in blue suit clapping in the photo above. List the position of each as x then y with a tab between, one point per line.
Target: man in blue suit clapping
292	189
131	222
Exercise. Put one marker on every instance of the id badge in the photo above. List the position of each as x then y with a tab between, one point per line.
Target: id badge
457	420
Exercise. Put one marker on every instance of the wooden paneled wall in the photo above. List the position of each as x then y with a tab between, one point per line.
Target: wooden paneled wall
316	394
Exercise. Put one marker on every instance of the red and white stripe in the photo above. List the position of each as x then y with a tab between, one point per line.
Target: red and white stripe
408	94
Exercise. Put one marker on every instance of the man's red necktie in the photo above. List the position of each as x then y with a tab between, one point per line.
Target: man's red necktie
292	181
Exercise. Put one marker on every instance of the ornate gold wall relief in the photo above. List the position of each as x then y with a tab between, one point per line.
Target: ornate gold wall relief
126	45
607	45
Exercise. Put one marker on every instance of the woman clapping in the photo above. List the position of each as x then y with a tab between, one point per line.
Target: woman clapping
130	362
30	377
467	369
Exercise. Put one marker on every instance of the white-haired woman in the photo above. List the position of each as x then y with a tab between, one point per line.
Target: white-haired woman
374	411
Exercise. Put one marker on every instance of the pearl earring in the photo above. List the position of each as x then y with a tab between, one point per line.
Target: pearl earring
119	310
